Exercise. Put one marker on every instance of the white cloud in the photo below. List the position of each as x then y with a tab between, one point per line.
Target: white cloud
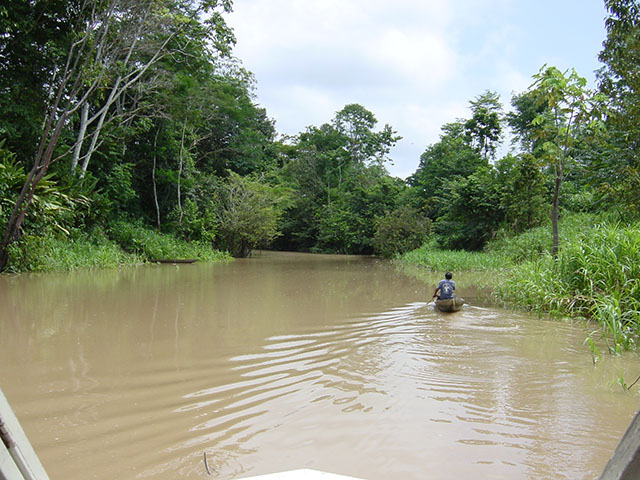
414	63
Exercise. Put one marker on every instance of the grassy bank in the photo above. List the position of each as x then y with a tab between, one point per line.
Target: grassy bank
595	276
124	244
431	258
429	265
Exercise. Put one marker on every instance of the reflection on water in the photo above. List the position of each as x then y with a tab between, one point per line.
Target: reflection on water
290	361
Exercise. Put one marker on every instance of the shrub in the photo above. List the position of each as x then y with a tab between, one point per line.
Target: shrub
400	231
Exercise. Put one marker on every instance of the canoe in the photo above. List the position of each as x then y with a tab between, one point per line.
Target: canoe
175	260
450	304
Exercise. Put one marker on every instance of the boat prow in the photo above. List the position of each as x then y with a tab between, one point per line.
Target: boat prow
304	474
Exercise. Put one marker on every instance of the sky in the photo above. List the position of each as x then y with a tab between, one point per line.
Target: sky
415	64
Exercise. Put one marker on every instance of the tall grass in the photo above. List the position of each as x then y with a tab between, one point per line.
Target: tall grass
129	244
537	242
454	260
596	275
152	245
51	253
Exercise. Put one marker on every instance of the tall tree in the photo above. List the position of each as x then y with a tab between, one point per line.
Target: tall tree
474	210
453	157
338	170
523	198
525	109
365	146
484	128
618	165
570	109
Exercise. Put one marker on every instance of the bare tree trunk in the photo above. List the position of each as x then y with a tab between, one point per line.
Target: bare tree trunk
153	177
96	133
84	117
180	163
554	216
39	169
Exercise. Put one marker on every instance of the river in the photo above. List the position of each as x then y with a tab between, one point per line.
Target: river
287	361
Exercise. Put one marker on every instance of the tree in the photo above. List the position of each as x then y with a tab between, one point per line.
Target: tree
248	213
109	47
484	127
474	211
524	199
338	172
526	109
451	158
617	168
364	145
570	109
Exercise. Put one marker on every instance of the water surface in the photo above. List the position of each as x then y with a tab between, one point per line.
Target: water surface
286	361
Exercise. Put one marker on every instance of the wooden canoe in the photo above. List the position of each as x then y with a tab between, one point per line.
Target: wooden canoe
175	260
450	304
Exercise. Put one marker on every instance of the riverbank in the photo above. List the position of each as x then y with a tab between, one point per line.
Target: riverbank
596	275
122	245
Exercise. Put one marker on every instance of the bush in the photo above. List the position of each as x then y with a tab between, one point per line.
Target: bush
537	242
400	231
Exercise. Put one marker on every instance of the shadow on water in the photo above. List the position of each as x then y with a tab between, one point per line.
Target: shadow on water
287	361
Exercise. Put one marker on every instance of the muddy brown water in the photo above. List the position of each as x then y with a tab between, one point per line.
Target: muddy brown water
287	361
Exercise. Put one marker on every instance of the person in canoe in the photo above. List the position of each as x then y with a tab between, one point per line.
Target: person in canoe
446	299
445	288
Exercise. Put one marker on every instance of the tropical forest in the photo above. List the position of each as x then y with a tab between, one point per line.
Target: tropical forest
130	132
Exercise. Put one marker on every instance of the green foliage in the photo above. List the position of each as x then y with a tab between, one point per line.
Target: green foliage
536	242
596	275
400	231
526	107
365	146
35	35
474	211
484	128
336	232
529	245
136	239
616	170
340	184
54	209
11	179
523	191
570	111
118	187
248	213
449	159
43	253
429	256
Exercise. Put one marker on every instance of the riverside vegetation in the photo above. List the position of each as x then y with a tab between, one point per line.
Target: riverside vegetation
130	132
596	275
